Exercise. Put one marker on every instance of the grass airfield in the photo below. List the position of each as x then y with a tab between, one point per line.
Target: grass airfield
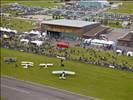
91	80
35	3
17	24
127	7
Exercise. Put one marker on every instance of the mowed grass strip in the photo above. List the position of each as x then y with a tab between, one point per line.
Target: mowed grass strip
17	24
120	59
91	80
35	3
127	7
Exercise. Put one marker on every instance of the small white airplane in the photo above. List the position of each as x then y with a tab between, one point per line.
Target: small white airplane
63	58
26	64
46	65
62	73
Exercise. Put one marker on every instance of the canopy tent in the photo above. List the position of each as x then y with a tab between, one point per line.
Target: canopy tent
62	44
129	53
34	32
2	29
102	42
24	40
44	33
87	40
7	30
25	32
37	42
114	6
125	23
14	31
119	52
5	36
99	42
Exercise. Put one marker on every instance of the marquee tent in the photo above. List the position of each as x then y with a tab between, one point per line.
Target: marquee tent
129	53
34	32
37	42
8	30
99	42
119	52
24	40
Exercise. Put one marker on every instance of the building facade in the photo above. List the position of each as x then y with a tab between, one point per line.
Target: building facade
71	29
93	3
126	40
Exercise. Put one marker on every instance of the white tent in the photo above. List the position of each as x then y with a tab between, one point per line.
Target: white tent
5	36
99	42
3	29
24	40
34	32
87	40
104	2
8	30
119	51
44	33
37	32
125	23
26	32
114	6
37	42
14	31
31	32
129	53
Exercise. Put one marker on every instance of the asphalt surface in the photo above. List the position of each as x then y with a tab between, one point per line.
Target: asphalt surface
13	89
116	33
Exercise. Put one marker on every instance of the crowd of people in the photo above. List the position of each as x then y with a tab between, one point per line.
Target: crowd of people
89	54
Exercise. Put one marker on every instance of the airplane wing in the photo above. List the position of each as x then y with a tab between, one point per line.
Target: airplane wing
61	57
26	62
46	65
49	64
57	72
42	64
70	72
66	72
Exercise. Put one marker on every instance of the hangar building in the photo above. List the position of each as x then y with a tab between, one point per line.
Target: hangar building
71	29
126	40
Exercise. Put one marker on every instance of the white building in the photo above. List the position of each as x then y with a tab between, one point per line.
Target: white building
94	3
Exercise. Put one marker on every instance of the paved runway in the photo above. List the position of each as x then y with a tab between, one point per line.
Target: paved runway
13	89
